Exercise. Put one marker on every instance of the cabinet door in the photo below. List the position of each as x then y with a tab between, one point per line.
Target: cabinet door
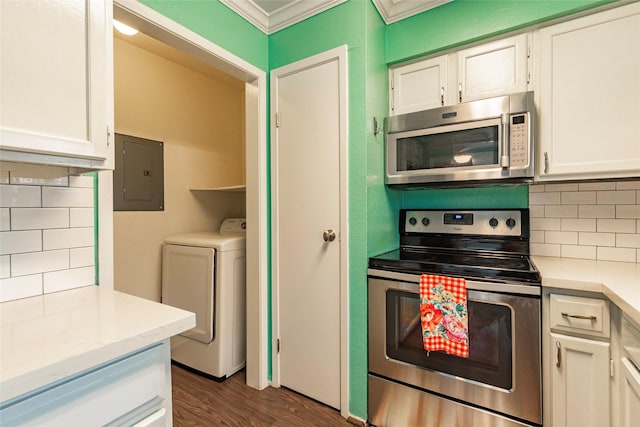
629	394
580	382
419	86
589	96
55	67
493	69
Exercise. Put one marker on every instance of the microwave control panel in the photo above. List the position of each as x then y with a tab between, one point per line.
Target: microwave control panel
519	140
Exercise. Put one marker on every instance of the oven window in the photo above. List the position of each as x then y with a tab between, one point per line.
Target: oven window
468	147
490	340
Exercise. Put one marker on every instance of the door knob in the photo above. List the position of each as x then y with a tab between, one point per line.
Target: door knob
329	235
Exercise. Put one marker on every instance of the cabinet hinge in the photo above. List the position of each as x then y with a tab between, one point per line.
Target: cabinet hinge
108	135
528	51
277	120
278	345
528	77
611	368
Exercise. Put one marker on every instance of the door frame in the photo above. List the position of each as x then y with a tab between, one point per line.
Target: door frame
168	31
339	54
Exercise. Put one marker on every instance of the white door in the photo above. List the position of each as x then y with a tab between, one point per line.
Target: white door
419	86
309	224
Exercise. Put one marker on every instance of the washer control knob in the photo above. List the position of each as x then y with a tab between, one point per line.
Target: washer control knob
413	221
425	221
511	222
493	222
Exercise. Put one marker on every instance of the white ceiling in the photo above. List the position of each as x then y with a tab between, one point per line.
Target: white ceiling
273	15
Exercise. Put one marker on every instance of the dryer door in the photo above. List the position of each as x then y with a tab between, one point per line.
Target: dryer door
188	283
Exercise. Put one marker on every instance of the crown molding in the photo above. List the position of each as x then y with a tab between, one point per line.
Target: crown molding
289	13
396	10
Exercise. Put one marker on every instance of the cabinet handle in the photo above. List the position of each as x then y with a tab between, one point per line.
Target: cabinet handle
546	162
442	96
578	316
460	92
558	354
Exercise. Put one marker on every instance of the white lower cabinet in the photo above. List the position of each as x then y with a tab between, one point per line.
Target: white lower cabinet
629	393
134	390
580	382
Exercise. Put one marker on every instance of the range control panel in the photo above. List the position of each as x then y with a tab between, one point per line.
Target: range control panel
478	222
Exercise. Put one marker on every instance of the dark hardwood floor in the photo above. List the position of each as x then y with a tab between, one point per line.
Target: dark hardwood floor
199	401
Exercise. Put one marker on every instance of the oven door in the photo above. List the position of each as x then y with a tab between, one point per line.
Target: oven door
502	372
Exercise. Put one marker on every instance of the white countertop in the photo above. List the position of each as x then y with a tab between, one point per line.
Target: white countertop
618	281
49	337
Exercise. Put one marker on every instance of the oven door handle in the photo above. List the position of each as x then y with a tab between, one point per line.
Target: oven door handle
472	285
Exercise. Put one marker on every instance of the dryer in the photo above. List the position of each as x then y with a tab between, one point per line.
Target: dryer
204	273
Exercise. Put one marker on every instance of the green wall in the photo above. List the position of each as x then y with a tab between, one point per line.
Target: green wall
219	24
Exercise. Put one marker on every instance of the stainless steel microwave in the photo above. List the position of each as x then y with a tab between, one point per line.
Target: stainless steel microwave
489	140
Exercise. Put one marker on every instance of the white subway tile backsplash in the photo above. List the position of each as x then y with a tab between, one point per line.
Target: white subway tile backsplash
14	242
601	185
19	196
617	254
5	266
39	262
5	219
65	238
561	187
82	257
81	217
561	237
570	224
597	239
543	249
46	230
616	226
597	211
39	218
628	240
53	197
536	211
574	251
20	287
544	198
68	279
626	197
81	181
536	188
561	211
544	223
628	185
536	236
628	211
578	198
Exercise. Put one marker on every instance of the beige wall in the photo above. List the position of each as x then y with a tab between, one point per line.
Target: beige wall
200	119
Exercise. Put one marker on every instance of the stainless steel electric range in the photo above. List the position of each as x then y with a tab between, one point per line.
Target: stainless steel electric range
499	384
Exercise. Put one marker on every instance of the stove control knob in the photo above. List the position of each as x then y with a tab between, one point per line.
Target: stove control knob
511	222
413	221
425	221
493	222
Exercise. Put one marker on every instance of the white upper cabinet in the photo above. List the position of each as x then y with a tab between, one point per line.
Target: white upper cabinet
589	96
483	71
56	91
493	69
419	86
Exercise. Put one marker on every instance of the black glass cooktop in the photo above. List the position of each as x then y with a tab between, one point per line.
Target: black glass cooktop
470	265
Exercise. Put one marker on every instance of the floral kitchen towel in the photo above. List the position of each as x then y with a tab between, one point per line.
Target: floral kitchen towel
443	314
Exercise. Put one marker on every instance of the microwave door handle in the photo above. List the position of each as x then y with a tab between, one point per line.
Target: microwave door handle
504	159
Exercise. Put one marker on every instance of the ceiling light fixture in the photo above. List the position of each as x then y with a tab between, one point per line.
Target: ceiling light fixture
124	29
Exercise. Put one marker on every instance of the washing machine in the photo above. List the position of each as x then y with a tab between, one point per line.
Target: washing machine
205	273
